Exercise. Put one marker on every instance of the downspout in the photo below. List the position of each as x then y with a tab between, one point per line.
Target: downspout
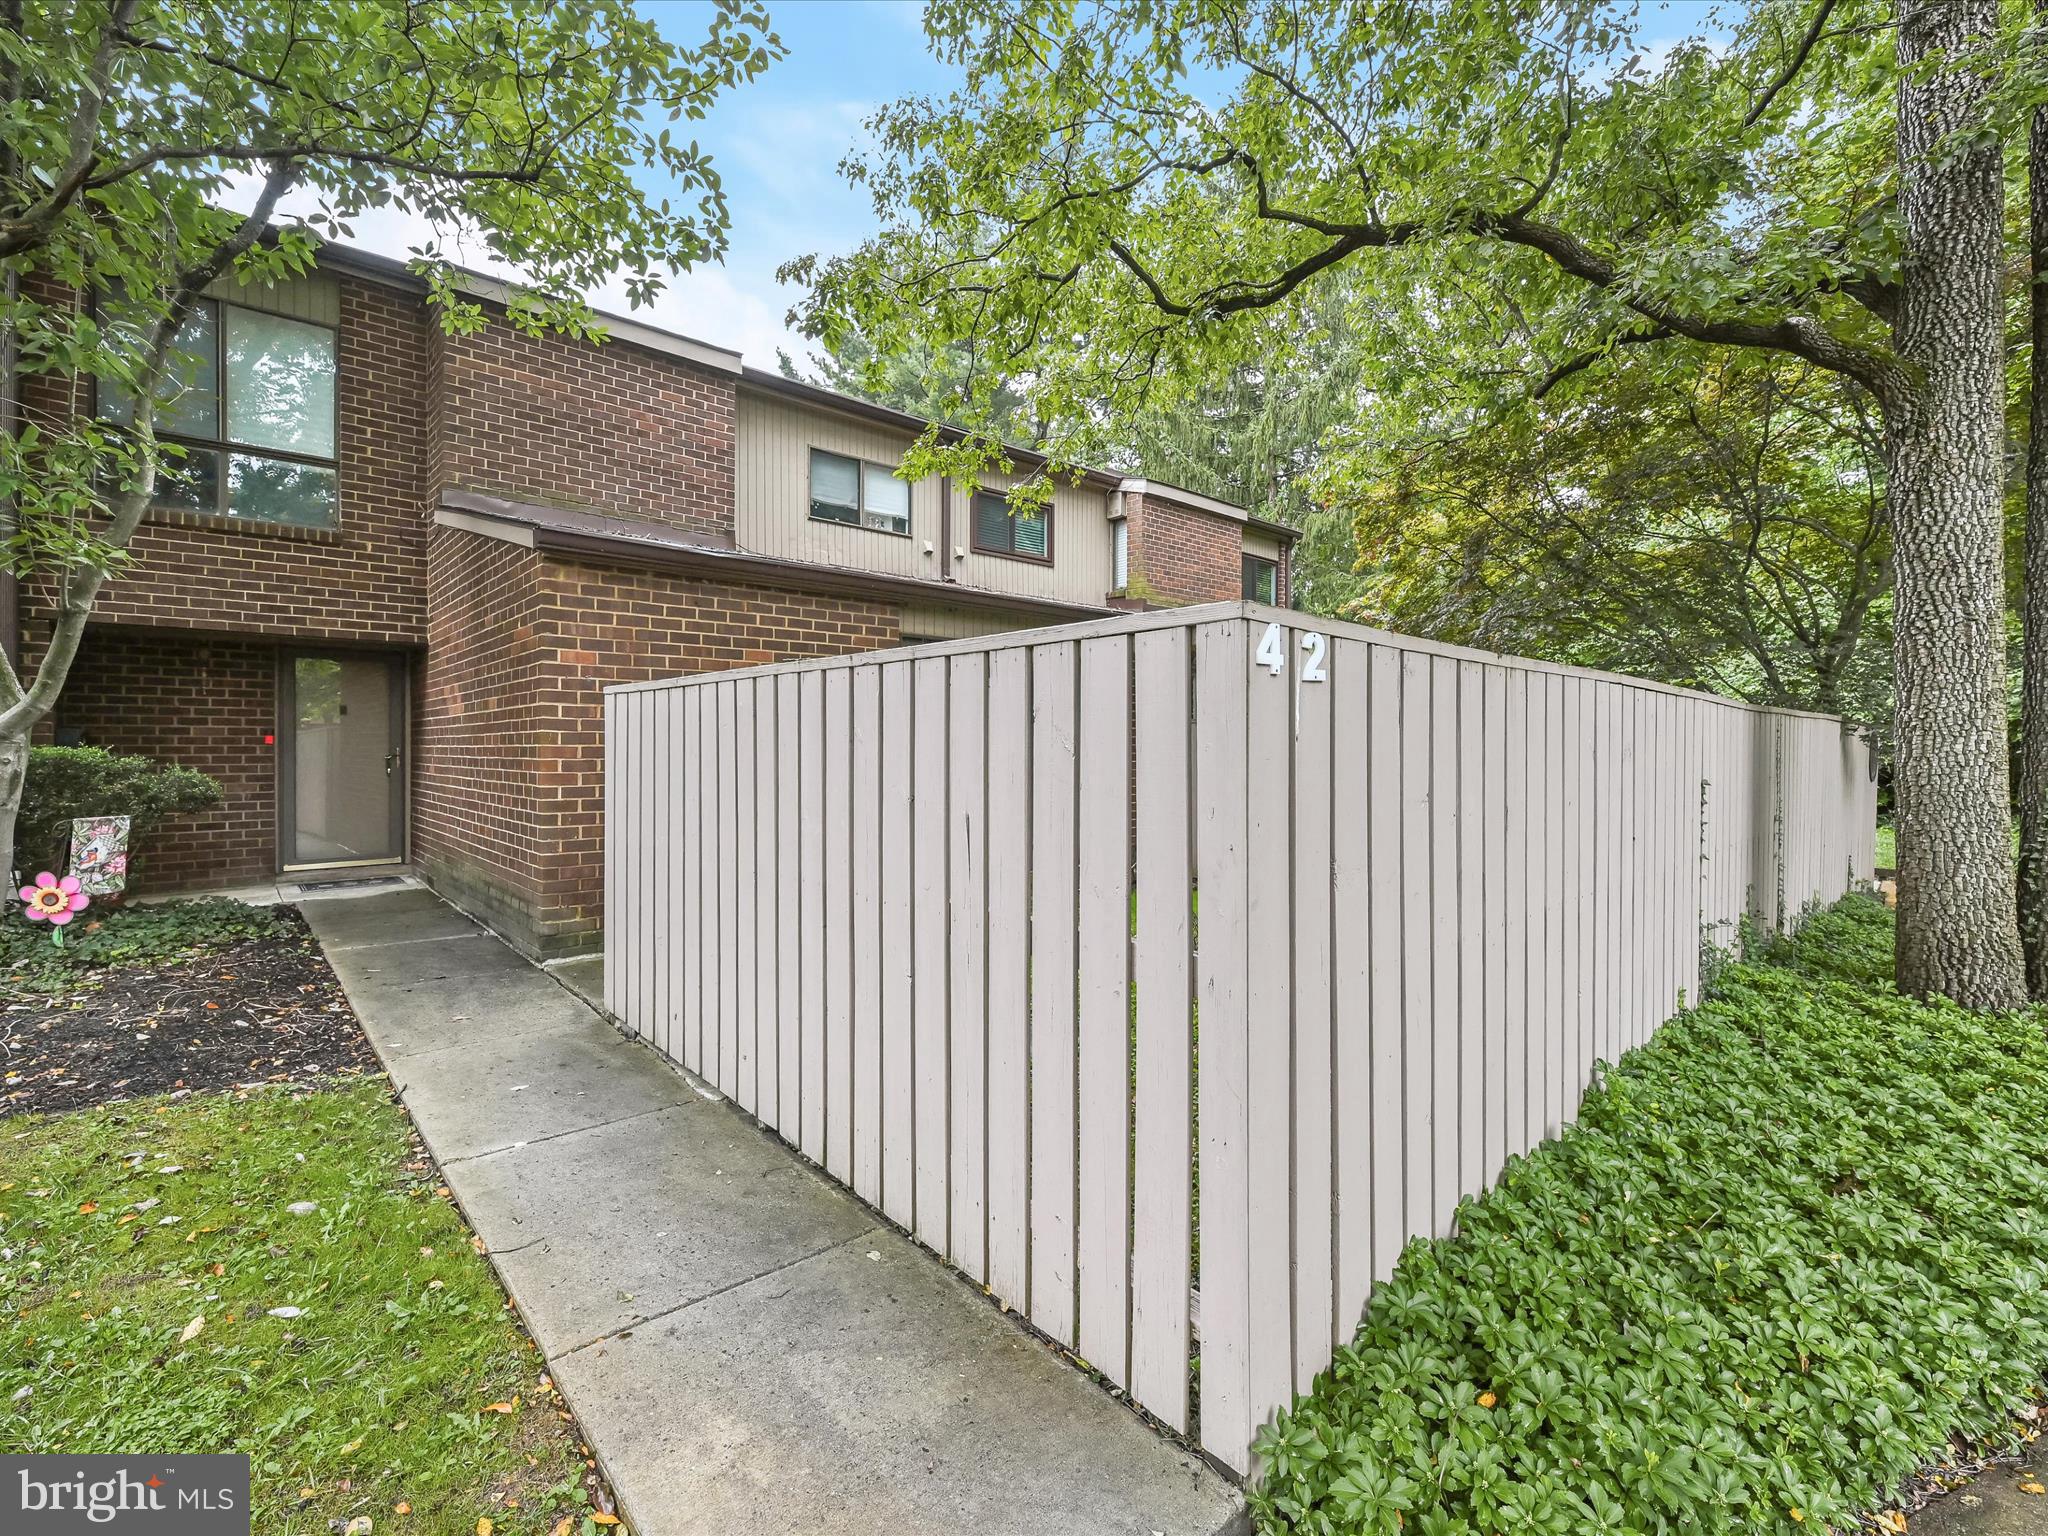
946	528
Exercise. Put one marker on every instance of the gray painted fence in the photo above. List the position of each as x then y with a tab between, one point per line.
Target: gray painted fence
931	914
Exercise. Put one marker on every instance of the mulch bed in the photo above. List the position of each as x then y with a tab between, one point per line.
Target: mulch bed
261	1011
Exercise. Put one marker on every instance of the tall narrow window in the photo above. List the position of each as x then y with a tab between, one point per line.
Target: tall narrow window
1261	580
1120	555
249	412
998	530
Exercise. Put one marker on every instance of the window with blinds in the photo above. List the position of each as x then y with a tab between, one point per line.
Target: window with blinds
1261	580
858	493
998	530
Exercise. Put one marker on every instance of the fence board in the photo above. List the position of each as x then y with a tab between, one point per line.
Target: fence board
945	920
1376	870
893	951
1103	941
836	765
1161	1136
929	962
1053	982
788	913
1222	872
746	925
811	864
1309	949
967	1037
865	811
1009	971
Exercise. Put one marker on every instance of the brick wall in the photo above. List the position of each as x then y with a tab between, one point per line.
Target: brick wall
617	427
362	582
602	625
1181	554
474	768
206	703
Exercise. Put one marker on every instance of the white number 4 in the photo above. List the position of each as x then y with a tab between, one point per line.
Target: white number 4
1272	653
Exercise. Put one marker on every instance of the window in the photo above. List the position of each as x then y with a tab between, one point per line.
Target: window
858	493
1020	535
1261	580
1120	555
251	404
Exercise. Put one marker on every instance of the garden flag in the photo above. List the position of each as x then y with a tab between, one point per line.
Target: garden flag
99	854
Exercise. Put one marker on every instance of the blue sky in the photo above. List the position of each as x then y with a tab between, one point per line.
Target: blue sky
777	144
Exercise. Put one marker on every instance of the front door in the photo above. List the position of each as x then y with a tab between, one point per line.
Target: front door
342	774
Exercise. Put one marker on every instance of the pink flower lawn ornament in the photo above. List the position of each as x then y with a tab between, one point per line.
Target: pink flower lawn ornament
53	901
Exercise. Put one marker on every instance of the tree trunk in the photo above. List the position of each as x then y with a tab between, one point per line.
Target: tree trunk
13	771
1958	928
2033	893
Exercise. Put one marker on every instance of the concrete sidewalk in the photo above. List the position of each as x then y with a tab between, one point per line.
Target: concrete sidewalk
749	1348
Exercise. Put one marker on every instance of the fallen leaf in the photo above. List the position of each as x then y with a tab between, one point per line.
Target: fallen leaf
192	1329
401	1508
604	1519
2032	1488
88	1208
562	1526
484	1527
1487	1399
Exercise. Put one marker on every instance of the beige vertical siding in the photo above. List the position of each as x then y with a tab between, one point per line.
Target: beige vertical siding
932	915
771	511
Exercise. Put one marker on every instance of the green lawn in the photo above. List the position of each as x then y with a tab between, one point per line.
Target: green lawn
146	1250
1887	846
1793	1245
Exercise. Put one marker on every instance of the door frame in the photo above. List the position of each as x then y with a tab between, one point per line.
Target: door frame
398	665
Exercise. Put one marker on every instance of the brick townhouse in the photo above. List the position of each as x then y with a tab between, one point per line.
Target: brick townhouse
392	575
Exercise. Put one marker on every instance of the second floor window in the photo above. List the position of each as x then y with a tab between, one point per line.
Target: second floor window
857	493
1261	580
1020	535
254	413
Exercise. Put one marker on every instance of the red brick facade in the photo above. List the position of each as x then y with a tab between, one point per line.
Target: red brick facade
511	646
1183	554
618	426
509	807
206	702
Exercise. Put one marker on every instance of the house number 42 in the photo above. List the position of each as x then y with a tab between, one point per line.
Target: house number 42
1272	653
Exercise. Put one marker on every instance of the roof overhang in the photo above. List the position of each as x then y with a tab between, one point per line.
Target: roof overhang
1160	490
575	533
495	290
761	381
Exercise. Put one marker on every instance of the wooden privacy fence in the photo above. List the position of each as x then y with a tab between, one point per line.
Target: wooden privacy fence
950	919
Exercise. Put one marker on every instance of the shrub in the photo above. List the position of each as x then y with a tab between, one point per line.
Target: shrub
65	783
1793	1245
155	934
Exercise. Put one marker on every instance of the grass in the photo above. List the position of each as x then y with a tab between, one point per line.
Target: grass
1794	1245
404	1380
1887	846
98	939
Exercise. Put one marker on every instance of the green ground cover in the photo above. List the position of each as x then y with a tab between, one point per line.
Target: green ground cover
149	1262
101	939
1793	1246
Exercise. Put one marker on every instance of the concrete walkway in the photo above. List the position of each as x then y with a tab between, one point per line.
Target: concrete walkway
749	1348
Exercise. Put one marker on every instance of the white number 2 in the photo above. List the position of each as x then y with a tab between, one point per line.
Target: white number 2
1317	646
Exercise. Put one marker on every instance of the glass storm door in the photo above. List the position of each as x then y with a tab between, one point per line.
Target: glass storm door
343	771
